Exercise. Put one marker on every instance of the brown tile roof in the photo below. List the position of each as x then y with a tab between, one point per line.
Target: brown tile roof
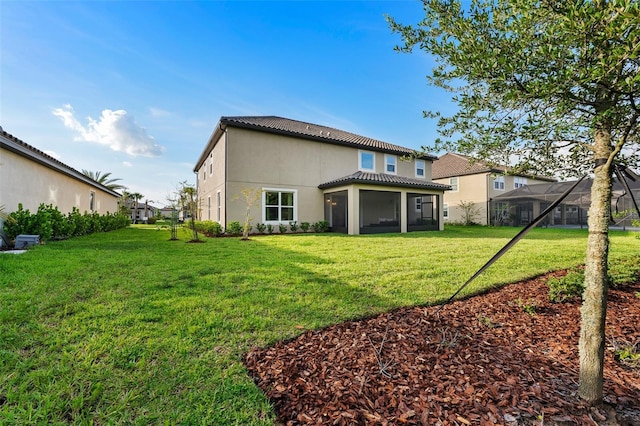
285	126
13	144
385	180
453	164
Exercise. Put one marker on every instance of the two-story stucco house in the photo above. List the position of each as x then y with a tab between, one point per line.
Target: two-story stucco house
30	177
307	173
477	183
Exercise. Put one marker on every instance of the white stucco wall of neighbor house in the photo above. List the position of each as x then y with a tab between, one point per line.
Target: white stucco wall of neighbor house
31	183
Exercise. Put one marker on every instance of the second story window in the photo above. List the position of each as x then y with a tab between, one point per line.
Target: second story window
390	164
519	182
366	161
498	183
420	168
454	183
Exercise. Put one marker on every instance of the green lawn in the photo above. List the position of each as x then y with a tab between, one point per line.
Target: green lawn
131	328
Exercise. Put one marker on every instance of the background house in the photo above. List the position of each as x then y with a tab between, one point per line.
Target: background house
304	172
476	183
31	177
520	206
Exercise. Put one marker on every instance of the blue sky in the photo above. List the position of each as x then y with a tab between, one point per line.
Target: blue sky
136	88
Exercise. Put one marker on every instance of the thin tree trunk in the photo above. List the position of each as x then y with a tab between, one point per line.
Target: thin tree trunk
594	305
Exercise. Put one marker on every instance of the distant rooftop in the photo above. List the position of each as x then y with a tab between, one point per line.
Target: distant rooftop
452	164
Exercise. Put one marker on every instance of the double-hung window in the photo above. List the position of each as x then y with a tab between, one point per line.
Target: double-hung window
279	205
445	211
366	161
454	184
420	168
390	163
519	182
498	183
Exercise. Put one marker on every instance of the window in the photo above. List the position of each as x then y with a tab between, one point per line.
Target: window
366	161
445	211
418	204
204	173
390	164
218	206
279	205
454	184
498	183
92	200
519	182
419	168
211	168
209	208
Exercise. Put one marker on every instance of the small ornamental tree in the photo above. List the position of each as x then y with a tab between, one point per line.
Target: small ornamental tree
189	201
551	87
251	196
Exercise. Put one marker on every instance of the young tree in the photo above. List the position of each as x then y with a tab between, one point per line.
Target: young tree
189	200
550	86
251	196
470	212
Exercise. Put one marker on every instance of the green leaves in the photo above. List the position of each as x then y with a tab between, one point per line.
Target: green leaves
533	79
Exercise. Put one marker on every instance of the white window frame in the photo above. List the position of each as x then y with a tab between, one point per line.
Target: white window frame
211	167
498	183
209	207
279	191
418	204
445	210
373	161
519	181
219	205
455	187
421	165
390	160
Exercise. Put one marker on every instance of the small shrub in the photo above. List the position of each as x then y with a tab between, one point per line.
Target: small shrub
320	226
261	227
293	226
565	288
151	220
210	228
282	228
304	226
269	229
234	228
529	306
627	353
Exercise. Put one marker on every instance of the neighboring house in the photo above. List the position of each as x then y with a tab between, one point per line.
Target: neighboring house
476	184
520	206
304	172
31	177
143	212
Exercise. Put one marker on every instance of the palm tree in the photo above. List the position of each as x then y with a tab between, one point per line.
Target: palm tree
136	196
104	179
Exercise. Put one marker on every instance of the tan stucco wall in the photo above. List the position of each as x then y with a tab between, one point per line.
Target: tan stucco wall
30	183
259	160
477	188
209	185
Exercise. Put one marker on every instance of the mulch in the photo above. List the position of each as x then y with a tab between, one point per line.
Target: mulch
482	361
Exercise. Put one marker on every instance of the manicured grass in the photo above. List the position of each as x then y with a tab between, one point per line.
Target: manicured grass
131	328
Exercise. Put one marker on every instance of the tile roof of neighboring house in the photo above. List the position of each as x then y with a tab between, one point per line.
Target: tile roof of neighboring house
315	132
453	164
385	180
13	144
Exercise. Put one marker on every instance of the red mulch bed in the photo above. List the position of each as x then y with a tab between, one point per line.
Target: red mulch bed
479	361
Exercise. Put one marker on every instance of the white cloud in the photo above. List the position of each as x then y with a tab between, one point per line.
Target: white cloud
116	129
157	112
127	164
